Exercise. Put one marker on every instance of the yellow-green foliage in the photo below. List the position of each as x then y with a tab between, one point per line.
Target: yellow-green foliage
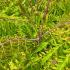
20	48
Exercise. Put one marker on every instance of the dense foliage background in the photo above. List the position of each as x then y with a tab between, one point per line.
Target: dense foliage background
34	34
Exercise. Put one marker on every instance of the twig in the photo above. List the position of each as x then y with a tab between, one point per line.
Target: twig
46	10
40	32
16	39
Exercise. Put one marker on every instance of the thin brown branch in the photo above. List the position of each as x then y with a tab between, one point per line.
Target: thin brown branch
16	39
40	32
46	9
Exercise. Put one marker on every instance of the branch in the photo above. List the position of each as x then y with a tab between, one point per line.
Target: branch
40	32
16	39
46	10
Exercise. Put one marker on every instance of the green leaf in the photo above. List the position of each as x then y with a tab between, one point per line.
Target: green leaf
50	53
63	64
42	46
